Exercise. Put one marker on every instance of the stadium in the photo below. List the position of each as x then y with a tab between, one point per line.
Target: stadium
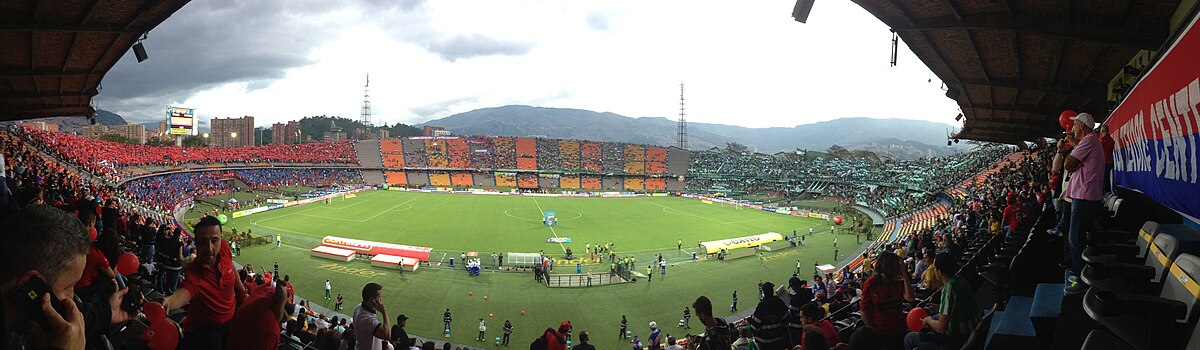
472	241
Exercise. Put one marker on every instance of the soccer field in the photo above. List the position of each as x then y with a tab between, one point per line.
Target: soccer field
455	223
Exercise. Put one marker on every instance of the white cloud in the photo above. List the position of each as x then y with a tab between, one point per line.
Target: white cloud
746	64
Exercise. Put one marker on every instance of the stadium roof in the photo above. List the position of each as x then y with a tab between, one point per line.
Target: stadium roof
53	54
1014	65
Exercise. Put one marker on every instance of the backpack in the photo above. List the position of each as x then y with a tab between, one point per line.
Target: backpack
541	343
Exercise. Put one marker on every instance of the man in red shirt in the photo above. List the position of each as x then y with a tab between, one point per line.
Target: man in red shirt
212	288
813	315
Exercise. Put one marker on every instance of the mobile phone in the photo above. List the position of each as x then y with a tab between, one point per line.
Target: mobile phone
28	298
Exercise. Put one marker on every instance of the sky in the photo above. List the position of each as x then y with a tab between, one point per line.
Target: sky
743	63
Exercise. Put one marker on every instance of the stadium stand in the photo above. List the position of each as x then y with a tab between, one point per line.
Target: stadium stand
635	159
527	180
435	151
568	182
656	183
569	155
459	153
369	157
506	179
592	157
526	149
482	155
392	153
439	179
589	182
506	153
634	183
396	178
414	153
548	157
461	179
656	160
109	159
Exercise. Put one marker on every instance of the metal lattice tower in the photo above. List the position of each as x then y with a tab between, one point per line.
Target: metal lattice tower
683	141
364	115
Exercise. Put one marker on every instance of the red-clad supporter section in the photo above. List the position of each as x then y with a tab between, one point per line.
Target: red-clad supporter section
439	179
568	181
393	153
435	150
397	178
656	184
109	158
591	158
656	160
568	155
589	182
506	154
635	160
506	180
377	248
526	154
459	153
461	179
527	180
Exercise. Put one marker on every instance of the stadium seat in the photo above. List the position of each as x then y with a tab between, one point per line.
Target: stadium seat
1166	321
1143	278
1099	339
1122	252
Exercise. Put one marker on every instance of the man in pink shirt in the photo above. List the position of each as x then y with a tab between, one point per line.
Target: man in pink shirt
1086	164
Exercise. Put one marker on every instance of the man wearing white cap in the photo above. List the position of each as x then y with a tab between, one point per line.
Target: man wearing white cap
655	338
1086	164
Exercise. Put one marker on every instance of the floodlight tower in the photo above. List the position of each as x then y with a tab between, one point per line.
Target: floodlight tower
364	115
683	141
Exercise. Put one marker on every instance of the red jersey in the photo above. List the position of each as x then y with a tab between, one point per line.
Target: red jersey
95	263
213	292
883	300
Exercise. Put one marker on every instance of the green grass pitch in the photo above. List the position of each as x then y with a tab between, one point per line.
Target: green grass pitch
454	223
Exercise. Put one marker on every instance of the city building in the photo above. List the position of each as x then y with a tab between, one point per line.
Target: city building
39	125
133	132
433	130
231	132
285	134
94	131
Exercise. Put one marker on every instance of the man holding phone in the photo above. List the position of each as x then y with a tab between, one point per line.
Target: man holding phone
212	287
371	323
43	256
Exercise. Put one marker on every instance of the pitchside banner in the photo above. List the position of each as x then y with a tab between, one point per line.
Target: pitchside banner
1157	129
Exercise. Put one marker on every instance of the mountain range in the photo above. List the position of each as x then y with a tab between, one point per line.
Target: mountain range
900	138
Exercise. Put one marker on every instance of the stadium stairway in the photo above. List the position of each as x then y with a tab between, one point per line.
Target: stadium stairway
371	159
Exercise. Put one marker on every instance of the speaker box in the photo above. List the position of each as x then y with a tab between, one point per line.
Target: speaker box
800	12
139	51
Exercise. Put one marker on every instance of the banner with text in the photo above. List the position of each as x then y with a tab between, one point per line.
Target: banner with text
1157	129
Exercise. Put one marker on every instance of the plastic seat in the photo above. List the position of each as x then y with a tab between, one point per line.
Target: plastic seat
1163	322
1143	278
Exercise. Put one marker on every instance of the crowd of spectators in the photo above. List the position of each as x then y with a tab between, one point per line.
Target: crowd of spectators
163	192
111	159
893	187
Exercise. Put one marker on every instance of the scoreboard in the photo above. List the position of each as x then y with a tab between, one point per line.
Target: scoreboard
181	121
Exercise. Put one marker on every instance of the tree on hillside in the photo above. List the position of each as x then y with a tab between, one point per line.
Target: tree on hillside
839	152
735	148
